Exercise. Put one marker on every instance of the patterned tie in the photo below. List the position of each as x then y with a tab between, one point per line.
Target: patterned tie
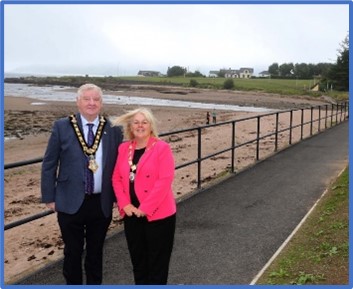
89	174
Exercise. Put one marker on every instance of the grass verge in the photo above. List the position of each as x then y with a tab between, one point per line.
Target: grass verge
318	254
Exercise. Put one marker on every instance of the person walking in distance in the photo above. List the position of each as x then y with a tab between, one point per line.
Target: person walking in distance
76	183
214	116
208	116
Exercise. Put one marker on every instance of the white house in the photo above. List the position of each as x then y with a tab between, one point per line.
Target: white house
213	73
264	74
233	73
149	73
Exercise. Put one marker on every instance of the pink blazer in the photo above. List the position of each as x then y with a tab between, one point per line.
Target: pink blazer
153	180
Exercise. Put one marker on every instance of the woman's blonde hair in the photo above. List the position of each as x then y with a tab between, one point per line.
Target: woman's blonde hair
125	121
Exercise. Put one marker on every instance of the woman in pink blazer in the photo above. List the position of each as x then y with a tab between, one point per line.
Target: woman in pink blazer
142	182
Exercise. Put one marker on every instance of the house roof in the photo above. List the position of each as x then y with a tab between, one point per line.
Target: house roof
148	71
242	69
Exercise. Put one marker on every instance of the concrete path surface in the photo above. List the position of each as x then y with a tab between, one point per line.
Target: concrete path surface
227	233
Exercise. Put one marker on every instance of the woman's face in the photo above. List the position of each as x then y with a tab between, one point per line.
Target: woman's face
140	127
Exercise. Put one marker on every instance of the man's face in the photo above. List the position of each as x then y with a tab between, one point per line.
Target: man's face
89	104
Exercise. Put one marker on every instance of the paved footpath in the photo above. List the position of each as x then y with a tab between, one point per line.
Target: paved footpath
227	233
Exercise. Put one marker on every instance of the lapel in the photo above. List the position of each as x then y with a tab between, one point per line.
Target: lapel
105	142
79	122
148	152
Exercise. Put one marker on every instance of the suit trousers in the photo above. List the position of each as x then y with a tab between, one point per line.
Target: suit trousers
150	246
88	224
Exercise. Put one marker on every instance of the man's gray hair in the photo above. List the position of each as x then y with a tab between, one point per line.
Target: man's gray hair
89	86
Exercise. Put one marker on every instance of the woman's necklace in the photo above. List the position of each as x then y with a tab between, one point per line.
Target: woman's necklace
133	166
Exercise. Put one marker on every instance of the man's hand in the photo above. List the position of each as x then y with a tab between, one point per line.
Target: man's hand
51	206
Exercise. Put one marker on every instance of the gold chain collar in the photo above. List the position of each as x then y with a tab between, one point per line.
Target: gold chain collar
88	150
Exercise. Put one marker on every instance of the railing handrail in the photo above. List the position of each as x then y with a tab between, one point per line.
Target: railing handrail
199	159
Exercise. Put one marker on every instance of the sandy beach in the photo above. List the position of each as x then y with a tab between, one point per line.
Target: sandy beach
33	245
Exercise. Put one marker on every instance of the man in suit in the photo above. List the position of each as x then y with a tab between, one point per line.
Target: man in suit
76	183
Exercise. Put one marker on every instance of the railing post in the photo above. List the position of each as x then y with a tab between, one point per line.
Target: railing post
318	128
302	125
326	116
331	114
311	121
199	157
258	138
290	126
233	147
276	134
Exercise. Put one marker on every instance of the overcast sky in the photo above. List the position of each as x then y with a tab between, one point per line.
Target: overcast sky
122	39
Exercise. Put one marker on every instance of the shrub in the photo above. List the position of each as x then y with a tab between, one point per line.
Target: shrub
193	83
228	84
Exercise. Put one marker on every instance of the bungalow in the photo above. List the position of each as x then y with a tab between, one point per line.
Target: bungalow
150	73
213	73
264	74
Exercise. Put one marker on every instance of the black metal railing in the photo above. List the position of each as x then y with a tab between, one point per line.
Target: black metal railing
331	115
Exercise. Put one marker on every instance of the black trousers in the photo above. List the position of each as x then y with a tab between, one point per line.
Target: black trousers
150	245
88	224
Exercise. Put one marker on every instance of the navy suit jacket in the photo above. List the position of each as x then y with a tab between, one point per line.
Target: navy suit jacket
63	167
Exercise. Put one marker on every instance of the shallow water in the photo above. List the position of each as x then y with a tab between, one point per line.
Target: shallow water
60	93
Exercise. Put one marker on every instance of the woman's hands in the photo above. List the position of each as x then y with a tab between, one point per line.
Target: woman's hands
132	210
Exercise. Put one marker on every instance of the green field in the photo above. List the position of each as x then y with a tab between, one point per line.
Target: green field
266	85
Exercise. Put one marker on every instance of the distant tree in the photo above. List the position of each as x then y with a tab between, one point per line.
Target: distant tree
322	69
176	71
286	69
338	75
273	69
222	73
228	84
301	71
194	74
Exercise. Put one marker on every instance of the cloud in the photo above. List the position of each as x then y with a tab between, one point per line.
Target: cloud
208	36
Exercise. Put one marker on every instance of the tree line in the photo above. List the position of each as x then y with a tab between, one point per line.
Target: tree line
330	75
